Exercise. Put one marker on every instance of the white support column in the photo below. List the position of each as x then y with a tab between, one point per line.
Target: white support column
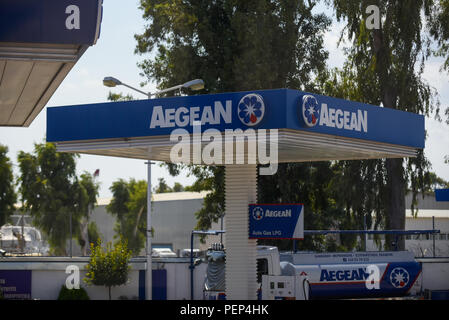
241	252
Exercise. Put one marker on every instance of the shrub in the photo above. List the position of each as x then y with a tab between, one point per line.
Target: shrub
72	294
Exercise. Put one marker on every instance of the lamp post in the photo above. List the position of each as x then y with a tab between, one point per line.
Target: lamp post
196	84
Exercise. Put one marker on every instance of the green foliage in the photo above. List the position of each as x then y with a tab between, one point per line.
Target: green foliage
439	29
50	191
234	46
129	206
120	196
93	233
119	97
72	294
108	266
260	44
162	187
385	66
8	195
177	187
310	184
436	182
87	198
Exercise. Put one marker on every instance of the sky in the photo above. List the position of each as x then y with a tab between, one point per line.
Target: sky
113	55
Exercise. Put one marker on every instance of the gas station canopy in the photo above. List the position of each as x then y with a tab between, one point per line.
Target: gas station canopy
300	126
40	42
310	127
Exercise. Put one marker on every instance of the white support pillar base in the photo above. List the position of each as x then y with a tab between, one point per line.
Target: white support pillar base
241	252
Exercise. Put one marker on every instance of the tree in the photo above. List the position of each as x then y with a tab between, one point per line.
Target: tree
8	195
87	199
177	187
117	206
385	66
233	46
309	184
108	267
439	29
129	205
50	191
436	182
92	233
119	97
162	187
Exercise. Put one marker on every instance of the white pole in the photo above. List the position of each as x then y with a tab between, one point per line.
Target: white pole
241	252
148	277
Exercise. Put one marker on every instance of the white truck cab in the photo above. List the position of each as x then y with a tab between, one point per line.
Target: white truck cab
268	261
274	283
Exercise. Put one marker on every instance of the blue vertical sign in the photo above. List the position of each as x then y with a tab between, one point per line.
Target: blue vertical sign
15	284
442	194
276	221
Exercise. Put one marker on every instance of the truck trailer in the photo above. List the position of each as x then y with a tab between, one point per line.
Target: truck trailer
340	275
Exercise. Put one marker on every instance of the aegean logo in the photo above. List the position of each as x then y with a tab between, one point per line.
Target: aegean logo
251	109
310	110
314	113
218	144
399	277
257	213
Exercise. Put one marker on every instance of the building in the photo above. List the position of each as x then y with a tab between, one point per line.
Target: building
173	219
429	212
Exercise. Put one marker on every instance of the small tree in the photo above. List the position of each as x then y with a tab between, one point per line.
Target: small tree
108	267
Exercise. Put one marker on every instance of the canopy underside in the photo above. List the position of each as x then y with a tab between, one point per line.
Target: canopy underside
292	146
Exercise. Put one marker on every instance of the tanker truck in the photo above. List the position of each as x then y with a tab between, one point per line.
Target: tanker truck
303	276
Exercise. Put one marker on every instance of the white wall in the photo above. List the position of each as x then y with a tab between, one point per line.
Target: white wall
46	284
424	246
431	268
178	281
173	222
48	275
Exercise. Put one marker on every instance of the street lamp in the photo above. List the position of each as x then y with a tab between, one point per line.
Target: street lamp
195	85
